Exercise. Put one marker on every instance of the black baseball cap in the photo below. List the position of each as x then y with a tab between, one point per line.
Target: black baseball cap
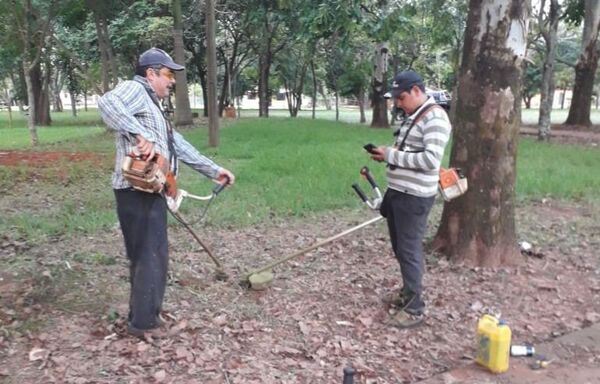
404	81
156	56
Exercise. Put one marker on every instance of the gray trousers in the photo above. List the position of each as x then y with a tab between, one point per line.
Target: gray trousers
143	219
407	221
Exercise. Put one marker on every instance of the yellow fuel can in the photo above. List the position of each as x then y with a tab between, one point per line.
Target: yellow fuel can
493	343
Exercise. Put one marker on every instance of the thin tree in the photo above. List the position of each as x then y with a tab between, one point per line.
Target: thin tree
549	30
211	64
479	227
32	30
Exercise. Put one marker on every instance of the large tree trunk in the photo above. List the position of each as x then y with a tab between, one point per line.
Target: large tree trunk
585	70
547	86
264	95
183	112
379	87
39	85
211	65
479	227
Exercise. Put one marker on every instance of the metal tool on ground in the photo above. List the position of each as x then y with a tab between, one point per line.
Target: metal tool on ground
174	203
261	278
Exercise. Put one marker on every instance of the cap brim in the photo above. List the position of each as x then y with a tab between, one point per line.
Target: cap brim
174	66
387	95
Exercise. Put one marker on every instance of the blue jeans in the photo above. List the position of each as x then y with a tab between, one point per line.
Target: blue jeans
143	219
407	221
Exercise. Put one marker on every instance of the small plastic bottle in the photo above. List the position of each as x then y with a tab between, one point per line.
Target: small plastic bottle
522	350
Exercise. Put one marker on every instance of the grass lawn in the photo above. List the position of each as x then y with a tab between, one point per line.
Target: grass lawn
284	167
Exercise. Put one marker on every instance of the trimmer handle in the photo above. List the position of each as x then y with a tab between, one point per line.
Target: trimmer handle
219	187
367	175
359	192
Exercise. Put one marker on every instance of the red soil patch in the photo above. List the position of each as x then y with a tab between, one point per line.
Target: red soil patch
41	159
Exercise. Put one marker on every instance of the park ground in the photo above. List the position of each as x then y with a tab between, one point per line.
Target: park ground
63	300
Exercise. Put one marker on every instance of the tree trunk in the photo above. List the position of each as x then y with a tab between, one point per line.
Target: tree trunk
183	112
109	53
337	105
38	80
547	86
103	55
585	69
379	87
479	227
30	96
563	96
73	103
361	106
264	95
211	65
314	94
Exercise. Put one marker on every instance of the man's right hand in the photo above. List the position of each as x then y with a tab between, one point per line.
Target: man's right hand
145	147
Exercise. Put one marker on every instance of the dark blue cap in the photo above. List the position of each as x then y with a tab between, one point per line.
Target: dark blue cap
404	81
156	56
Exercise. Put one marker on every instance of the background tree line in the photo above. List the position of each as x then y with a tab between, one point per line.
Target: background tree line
344	48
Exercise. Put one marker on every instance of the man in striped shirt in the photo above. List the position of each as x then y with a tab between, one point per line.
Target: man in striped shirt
413	165
134	111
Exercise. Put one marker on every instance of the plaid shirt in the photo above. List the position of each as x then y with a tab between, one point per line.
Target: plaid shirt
129	110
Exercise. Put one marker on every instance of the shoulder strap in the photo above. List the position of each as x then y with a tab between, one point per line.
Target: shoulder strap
170	138
417	118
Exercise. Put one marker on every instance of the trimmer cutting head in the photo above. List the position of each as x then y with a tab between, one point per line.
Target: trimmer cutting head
260	281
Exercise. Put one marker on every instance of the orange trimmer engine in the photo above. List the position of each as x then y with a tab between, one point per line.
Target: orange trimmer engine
452	184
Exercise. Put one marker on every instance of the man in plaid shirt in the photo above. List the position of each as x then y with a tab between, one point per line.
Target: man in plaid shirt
134	111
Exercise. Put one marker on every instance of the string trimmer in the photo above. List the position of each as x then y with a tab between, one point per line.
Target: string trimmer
175	203
262	277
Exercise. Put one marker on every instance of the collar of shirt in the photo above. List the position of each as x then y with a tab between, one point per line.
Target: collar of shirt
153	95
427	102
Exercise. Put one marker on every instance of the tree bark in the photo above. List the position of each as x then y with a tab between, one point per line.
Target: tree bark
73	103
547	86
361	105
105	65
379	87
314	94
211	65
264	94
585	69
30	96
183	112
478	228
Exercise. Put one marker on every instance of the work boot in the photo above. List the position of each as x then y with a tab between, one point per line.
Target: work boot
395	298
404	319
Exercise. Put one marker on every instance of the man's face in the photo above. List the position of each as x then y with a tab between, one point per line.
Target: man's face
409	100
161	82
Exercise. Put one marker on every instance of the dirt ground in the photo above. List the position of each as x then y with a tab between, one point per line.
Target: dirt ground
63	302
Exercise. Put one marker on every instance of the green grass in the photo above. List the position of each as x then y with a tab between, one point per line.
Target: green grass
284	167
64	127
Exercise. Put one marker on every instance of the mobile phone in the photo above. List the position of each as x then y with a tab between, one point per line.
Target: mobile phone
370	148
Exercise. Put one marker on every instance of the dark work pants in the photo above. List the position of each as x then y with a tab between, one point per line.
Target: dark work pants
143	219
407	221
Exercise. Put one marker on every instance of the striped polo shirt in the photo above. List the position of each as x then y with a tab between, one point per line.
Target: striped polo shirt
415	170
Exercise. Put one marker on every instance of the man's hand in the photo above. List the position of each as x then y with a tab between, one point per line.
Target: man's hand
145	147
225	177
378	154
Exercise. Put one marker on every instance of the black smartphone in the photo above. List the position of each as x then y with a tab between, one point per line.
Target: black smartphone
370	148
